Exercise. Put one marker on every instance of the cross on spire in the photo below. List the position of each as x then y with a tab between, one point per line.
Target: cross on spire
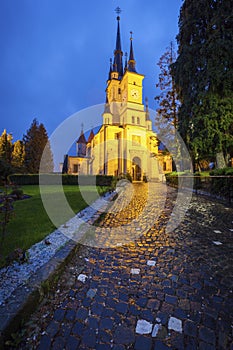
117	64
118	10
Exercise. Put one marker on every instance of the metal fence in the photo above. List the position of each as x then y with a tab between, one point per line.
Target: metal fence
220	187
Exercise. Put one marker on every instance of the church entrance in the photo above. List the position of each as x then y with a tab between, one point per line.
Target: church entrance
136	169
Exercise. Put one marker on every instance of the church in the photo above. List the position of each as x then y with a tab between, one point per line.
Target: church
125	142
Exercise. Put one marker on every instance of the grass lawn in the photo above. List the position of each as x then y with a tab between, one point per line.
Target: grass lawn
31	223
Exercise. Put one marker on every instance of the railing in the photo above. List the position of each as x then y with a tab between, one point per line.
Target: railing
220	187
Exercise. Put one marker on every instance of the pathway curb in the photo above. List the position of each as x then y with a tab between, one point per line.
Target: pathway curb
24	299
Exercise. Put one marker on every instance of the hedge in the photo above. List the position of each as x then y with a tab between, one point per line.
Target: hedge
53	179
222	182
173	178
219	183
222	172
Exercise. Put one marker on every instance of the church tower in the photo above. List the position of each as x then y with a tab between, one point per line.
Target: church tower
125	86
126	122
125	142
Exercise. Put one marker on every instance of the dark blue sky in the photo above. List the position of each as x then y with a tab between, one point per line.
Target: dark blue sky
55	54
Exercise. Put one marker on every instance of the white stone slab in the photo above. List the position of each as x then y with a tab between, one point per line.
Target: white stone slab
217	231
143	327
156	329
175	324
135	271
82	278
217	243
231	229
151	263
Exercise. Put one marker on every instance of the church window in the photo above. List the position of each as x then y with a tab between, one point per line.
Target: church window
106	120
119	91
138	120
136	140
164	166
133	120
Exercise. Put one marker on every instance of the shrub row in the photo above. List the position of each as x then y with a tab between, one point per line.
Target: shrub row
173	178
33	179
220	183
222	172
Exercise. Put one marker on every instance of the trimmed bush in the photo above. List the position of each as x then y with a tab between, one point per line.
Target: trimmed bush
222	172
173	178
219	183
222	183
24	179
52	179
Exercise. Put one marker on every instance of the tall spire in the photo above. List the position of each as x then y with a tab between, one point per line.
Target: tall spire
132	62
118	52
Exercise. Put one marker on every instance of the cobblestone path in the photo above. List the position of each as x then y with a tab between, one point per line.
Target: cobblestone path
162	291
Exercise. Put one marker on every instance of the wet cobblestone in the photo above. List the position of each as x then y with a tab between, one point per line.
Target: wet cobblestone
187	293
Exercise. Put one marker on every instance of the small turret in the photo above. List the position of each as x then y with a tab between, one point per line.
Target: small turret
132	62
81	145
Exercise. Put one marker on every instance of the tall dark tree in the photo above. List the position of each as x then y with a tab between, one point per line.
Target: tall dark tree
167	112
35	142
203	75
46	165
167	98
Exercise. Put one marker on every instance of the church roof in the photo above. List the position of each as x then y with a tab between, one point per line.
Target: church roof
82	138
91	136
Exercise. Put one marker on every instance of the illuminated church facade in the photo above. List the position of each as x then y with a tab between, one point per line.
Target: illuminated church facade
125	142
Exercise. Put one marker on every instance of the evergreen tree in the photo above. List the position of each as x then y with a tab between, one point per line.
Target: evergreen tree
35	142
6	147
46	165
203	75
18	155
